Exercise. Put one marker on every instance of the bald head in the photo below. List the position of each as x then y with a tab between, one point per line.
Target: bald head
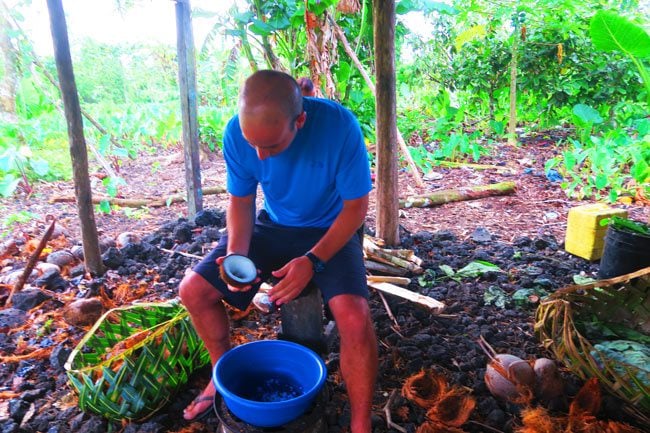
270	97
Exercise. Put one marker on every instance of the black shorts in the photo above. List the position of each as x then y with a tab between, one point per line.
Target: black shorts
273	246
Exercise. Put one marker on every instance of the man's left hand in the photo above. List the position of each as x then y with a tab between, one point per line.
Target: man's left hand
294	277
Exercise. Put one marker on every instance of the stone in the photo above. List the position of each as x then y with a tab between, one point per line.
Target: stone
11	318
29	298
83	312
61	258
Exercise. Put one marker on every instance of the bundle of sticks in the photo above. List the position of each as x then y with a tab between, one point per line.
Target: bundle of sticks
389	261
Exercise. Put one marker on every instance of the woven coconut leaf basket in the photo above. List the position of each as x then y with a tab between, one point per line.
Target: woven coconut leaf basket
602	330
131	362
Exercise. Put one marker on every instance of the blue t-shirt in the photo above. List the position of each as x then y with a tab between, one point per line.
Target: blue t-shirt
305	185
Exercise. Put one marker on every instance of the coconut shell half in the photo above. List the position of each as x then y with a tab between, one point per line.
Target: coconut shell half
238	270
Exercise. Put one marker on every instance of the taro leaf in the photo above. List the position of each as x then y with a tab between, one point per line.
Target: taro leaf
40	166
627	353
8	184
586	115
494	295
612	32
447	270
522	297
476	268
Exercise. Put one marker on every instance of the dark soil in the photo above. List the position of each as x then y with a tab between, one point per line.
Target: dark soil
522	234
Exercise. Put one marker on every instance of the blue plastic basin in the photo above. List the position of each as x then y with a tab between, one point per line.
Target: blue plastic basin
269	383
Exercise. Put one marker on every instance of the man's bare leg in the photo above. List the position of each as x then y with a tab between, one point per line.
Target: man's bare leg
203	302
358	356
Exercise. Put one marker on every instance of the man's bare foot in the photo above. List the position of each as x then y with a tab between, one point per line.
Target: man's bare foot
201	405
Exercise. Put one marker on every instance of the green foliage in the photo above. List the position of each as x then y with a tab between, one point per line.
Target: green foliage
627	224
608	165
612	32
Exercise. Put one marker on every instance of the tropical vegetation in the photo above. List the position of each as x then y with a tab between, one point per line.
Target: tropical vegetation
477	75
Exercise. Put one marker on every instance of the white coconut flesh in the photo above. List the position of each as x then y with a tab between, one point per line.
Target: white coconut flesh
239	268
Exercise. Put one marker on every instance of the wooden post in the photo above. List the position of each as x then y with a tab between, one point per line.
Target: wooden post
78	152
387	194
302	320
187	85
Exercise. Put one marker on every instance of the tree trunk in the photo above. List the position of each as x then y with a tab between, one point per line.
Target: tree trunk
78	153
450	195
187	84
512	123
386	107
10	76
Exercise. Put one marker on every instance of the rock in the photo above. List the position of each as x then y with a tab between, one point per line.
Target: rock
113	258
105	244
83	312
12	278
77	271
8	248
59	356
183	233
123	239
29	298
61	258
78	252
17	409
52	281
45	268
481	234
209	217
11	318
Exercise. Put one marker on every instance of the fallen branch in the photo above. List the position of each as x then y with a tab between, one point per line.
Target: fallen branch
385	268
452	195
400	281
474	166
388	310
389	419
181	253
32	260
400	292
142	202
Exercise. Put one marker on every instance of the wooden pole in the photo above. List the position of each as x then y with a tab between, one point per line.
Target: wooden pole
78	152
387	180
187	85
512	118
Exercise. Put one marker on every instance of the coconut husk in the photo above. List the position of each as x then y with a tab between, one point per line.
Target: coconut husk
425	388
434	427
538	420
452	409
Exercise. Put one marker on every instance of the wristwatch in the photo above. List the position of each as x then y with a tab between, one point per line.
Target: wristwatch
318	264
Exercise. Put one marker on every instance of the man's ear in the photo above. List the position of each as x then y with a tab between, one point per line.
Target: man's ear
301	119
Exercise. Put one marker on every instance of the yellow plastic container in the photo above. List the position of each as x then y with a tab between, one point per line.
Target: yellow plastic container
585	237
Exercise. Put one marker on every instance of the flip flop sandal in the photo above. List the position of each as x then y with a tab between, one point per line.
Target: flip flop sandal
198	400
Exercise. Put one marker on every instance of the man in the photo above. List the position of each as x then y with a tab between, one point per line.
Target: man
306	86
309	157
